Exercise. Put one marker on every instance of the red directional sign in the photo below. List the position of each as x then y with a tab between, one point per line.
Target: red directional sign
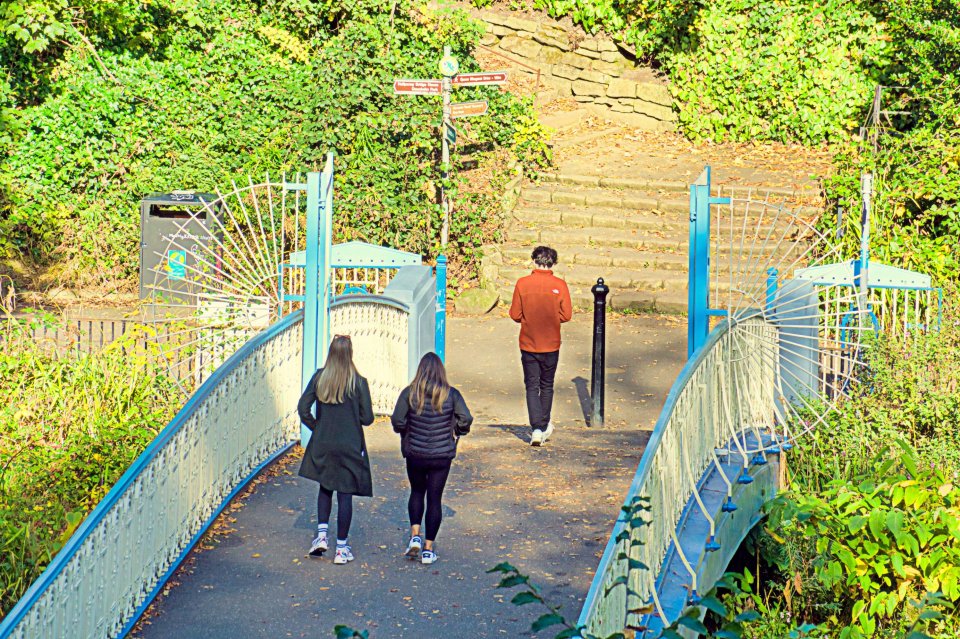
478	79
417	87
468	109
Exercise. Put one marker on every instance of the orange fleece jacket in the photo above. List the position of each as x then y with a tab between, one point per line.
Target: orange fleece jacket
541	302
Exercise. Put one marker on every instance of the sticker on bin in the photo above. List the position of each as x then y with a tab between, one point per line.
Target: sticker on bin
176	265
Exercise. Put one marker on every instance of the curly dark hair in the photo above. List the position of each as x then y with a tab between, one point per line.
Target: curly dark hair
544	256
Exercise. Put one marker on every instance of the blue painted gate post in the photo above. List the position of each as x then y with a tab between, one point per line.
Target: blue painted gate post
440	341
317	275
698	275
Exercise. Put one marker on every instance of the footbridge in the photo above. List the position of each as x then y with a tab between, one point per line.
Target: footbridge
772	347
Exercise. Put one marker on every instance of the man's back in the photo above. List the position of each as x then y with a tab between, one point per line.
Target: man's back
541	301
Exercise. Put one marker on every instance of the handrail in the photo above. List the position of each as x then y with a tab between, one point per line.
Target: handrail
53	606
646	466
609	600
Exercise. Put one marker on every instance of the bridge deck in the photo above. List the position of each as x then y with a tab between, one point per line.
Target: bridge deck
548	511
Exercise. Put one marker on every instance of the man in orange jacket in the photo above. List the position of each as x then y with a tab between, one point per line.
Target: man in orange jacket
541	302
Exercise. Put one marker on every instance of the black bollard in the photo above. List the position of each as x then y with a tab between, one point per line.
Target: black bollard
599	291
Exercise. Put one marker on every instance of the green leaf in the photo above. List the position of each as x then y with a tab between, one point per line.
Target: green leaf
877	520
524	597
619	581
692	623
747	615
502	567
895	522
512	580
545	621
636	564
713	604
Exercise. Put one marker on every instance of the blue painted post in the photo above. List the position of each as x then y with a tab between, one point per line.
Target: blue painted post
440	343
311	291
866	193
326	252
772	274
316	275
698	276
280	295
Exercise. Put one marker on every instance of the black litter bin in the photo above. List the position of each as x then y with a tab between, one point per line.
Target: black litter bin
176	228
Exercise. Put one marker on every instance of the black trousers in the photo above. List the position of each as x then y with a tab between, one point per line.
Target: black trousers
539	369
427	480
344	510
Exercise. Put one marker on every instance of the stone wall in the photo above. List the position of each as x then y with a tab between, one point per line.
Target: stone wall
593	70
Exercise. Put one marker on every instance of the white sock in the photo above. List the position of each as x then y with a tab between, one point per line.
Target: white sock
322	527
341	543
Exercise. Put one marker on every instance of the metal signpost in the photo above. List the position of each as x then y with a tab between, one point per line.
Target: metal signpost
449	67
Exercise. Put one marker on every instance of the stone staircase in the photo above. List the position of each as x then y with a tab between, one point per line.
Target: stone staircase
632	233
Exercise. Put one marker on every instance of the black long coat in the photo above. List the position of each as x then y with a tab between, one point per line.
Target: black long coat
336	455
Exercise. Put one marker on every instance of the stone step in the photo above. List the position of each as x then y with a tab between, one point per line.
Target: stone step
664	301
674	186
581	217
582	277
515	255
573	216
605	198
582	240
590	237
600	181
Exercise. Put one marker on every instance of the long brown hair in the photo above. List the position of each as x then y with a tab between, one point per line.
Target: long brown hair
339	376
430	382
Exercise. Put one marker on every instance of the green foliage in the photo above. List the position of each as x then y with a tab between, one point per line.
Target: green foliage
867	541
69	428
880	539
911	391
915	220
788	70
781	71
220	90
531	593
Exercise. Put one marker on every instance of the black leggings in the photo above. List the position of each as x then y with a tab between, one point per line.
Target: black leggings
427	479
344	510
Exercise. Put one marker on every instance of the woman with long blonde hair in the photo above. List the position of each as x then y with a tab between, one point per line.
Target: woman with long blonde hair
336	455
431	417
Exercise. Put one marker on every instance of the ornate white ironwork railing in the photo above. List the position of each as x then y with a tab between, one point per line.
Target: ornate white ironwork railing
239	420
724	395
379	329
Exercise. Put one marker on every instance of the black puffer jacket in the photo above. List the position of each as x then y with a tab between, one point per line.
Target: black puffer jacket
431	434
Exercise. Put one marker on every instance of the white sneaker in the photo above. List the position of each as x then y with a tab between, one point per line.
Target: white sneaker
414	547
343	555
319	545
547	433
428	557
537	438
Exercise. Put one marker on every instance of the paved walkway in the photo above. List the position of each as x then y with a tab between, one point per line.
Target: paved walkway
548	511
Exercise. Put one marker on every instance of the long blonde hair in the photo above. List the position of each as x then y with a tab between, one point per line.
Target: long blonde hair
430	382
339	376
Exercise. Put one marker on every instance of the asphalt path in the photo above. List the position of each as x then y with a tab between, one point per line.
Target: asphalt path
546	510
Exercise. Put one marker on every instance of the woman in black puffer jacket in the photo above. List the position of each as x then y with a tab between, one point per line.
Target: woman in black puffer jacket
430	416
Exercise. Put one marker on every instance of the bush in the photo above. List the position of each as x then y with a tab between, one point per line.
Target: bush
225	89
870	524
784	71
69	428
